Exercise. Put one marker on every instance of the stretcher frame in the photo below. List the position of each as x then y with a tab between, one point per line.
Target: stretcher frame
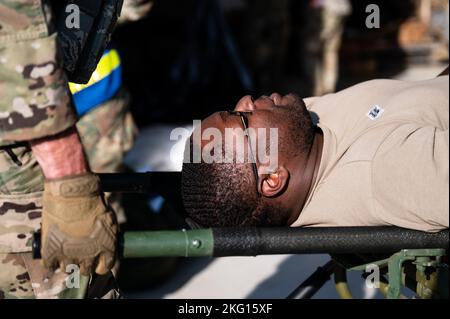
403	257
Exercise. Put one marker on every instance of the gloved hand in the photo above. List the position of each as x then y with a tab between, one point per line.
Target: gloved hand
77	226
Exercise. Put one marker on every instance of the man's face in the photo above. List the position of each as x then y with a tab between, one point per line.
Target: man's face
274	112
267	112
268	120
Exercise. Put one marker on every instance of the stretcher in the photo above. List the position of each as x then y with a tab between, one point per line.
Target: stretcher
391	258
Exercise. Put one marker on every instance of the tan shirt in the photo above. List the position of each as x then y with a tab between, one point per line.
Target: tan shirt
385	157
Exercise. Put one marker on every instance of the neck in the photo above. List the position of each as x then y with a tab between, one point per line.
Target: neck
306	176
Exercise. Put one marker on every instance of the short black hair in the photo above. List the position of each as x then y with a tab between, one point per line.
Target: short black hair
224	194
219	194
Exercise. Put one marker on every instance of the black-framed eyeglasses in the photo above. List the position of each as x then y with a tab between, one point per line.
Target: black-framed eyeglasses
244	120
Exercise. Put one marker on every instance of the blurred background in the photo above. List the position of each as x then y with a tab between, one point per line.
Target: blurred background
188	59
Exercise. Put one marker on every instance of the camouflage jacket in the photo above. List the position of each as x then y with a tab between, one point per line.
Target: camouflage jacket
35	101
34	97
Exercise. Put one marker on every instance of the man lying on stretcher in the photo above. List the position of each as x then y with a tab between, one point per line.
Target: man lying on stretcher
374	154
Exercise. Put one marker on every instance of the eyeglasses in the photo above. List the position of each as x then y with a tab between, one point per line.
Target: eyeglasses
244	120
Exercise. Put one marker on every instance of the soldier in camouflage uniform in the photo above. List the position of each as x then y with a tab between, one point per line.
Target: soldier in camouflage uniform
108	132
267	32
34	102
322	37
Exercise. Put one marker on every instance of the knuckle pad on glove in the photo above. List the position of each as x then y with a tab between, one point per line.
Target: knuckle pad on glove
78	228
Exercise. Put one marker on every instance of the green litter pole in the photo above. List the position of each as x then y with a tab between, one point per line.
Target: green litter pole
254	241
182	243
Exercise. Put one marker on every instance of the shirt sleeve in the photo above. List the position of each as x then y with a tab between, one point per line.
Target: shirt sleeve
410	177
35	101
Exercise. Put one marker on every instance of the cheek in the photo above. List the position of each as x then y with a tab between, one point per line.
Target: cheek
271	118
291	99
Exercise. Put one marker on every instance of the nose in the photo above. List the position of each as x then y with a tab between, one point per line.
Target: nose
245	104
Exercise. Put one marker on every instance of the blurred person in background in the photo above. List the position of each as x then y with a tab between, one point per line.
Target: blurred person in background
270	26
322	35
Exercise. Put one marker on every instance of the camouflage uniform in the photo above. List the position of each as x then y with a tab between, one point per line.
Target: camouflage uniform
107	133
35	102
268	28
322	40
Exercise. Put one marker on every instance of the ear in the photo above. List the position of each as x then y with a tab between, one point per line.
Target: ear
275	183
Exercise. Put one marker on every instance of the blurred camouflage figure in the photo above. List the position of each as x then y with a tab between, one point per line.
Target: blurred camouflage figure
322	40
35	101
271	25
107	133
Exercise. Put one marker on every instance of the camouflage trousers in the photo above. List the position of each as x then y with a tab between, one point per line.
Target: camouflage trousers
23	277
107	133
